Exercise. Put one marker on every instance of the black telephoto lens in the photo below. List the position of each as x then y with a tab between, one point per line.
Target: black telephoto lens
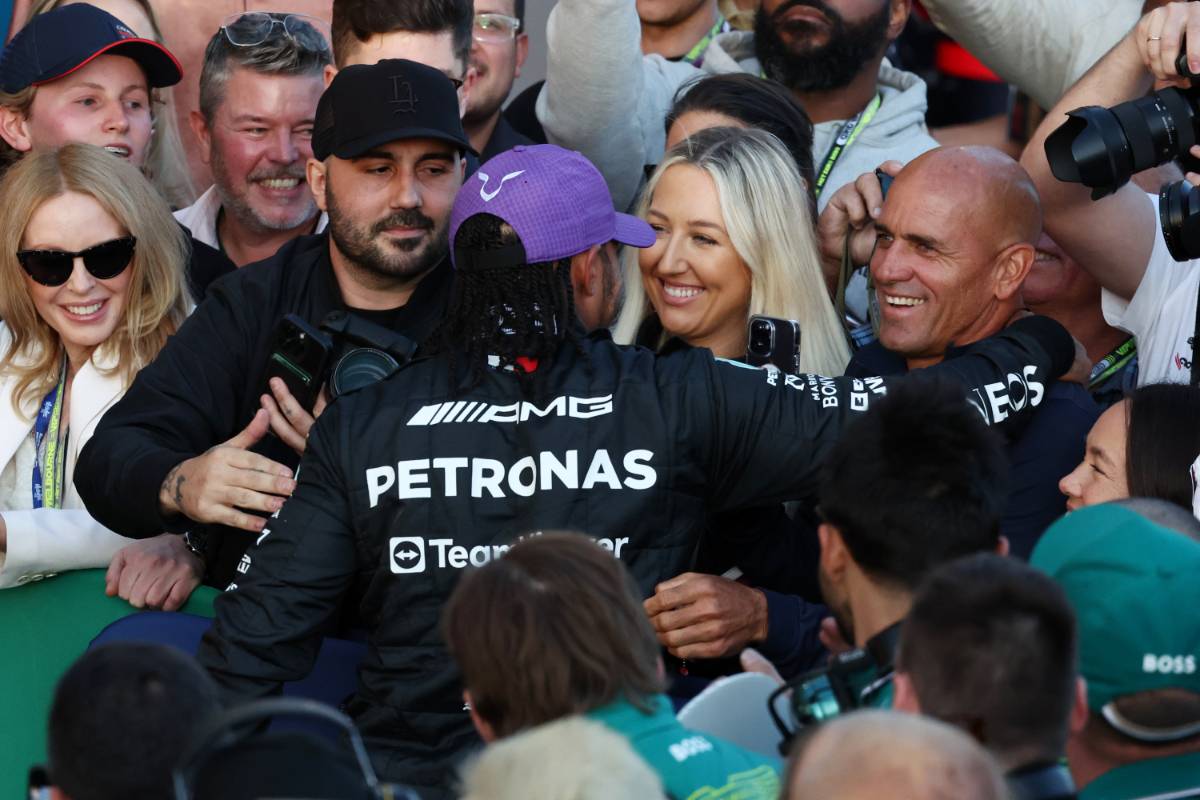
1102	148
1179	215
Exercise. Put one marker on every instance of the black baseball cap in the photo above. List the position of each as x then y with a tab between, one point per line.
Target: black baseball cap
55	44
367	105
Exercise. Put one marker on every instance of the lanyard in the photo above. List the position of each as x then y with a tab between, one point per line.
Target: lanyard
845	138
695	56
1112	363
46	428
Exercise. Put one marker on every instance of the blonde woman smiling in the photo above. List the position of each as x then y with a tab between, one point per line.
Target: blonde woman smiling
735	238
91	286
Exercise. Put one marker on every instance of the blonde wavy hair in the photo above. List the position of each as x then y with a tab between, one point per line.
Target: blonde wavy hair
166	161
156	304
766	213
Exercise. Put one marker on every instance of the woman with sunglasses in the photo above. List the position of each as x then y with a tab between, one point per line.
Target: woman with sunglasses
91	286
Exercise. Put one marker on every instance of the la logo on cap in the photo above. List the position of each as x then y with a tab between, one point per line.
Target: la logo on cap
483	190
125	33
404	99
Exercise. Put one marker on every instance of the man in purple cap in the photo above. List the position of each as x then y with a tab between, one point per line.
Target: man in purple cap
515	423
79	74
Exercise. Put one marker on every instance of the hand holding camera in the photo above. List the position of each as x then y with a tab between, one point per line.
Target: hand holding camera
1102	148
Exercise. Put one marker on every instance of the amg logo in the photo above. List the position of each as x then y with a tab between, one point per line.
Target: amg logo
473	411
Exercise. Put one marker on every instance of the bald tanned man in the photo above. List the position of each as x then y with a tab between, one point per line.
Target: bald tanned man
872	754
948	252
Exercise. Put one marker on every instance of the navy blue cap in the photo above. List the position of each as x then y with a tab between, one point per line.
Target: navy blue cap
367	105
55	44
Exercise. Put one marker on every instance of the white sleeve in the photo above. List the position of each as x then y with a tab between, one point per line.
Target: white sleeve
602	97
45	541
1142	313
1040	46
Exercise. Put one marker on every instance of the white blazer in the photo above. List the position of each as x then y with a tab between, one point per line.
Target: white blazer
46	541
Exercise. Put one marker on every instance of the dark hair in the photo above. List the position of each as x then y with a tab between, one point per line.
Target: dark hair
121	719
758	103
355	21
281	54
935	476
553	627
526	311
990	646
1163	441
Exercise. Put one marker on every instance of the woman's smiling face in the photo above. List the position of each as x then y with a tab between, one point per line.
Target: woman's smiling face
695	279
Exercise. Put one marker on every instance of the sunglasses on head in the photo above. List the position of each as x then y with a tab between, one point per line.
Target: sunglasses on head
54	267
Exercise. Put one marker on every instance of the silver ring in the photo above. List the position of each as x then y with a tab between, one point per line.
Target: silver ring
1154	39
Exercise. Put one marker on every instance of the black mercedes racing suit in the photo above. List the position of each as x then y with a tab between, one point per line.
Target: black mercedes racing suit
406	484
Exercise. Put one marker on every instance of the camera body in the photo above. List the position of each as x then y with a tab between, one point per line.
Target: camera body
825	693
346	353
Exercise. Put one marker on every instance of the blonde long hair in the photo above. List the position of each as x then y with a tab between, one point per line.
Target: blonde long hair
156	305
767	215
166	161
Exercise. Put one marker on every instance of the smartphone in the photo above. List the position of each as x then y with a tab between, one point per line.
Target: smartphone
774	341
299	355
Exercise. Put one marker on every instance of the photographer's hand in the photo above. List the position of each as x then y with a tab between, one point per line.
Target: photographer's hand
289	420
214	486
1158	36
852	212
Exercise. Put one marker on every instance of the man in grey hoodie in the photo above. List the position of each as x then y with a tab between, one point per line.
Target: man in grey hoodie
605	99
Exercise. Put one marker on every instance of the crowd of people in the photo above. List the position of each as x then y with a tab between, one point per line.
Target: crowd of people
764	346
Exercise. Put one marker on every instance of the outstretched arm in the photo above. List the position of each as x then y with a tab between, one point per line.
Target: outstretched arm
1112	237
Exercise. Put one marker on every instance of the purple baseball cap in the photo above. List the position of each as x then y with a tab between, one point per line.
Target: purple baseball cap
557	202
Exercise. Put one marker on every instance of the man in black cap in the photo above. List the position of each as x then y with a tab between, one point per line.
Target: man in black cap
188	445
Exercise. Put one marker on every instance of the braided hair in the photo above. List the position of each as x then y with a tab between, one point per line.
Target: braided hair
525	311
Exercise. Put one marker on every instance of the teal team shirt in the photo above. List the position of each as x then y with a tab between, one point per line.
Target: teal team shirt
691	765
1174	777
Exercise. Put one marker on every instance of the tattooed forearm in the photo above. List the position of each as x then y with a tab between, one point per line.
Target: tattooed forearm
170	496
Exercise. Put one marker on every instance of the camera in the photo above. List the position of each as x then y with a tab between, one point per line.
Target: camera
346	353
824	693
1102	148
371	352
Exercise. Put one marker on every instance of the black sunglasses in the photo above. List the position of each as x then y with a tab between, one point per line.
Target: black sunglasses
53	267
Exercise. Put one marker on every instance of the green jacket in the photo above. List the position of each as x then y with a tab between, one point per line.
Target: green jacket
691	765
1173	778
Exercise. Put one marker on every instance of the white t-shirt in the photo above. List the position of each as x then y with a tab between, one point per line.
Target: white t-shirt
1162	315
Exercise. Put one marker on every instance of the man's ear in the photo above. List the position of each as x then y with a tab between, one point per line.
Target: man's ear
904	697
200	127
1003	547
1079	709
315	173
328	74
586	280
522	53
14	128
464	91
482	726
1014	265
835	558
